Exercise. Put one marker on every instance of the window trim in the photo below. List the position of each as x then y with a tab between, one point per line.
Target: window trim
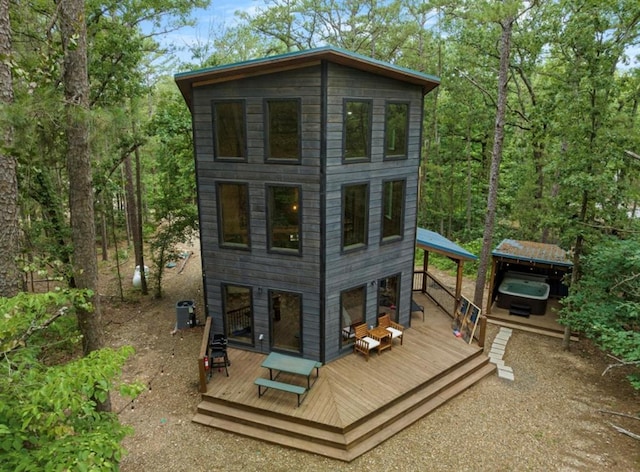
229	245
396	157
367	157
403	209
398	275
223	292
300	295
346	343
267	128
245	148
365	244
282	250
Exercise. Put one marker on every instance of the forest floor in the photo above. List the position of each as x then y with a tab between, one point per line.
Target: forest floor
555	416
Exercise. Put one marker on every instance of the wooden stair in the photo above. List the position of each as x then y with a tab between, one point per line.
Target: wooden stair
348	442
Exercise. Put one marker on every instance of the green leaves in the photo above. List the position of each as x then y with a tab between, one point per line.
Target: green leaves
48	419
605	304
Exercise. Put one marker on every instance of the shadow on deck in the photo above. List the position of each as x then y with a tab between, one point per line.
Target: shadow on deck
354	404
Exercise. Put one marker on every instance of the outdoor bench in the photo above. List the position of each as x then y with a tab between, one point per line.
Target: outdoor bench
285	387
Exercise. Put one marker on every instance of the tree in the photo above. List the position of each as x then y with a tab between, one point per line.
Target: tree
506	24
10	278
47	410
604	304
76	91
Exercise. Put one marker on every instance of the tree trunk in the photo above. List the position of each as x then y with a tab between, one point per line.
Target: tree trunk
140	233
487	239
83	232
10	276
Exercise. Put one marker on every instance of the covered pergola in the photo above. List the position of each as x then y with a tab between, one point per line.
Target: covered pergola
432	242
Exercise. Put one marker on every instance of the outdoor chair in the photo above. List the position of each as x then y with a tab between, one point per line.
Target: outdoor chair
364	342
396	330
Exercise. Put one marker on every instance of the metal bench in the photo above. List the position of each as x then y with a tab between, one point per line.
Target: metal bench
285	387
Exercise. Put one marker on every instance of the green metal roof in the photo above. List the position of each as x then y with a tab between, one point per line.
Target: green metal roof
298	59
426	239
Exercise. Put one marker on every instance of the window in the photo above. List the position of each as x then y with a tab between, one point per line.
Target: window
352	309
389	295
392	209
229	130
283	129
233	214
284	218
396	128
355	212
357	130
238	313
286	313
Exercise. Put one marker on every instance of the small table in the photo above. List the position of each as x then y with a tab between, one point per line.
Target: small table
291	365
383	335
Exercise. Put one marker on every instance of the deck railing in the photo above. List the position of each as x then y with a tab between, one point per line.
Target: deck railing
442	296
202	371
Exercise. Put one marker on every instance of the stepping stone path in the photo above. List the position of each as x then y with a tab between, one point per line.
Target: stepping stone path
497	353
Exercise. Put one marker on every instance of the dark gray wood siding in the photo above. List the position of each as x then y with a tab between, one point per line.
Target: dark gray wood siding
258	268
322	259
367	266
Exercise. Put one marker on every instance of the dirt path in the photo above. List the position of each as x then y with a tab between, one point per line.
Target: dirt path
549	418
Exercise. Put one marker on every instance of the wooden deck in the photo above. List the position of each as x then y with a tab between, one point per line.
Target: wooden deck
546	324
354	404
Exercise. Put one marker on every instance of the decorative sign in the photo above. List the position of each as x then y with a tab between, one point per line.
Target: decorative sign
465	320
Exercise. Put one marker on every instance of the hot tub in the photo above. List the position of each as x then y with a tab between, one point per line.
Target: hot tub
523	294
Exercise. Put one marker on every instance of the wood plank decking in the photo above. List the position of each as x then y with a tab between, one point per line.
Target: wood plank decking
546	324
354	405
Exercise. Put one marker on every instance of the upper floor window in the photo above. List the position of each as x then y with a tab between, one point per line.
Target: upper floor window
229	130
284	218
396	129
282	127
233	214
392	209
357	130
355	215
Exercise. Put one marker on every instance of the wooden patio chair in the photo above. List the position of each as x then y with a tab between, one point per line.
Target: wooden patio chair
396	330
364	342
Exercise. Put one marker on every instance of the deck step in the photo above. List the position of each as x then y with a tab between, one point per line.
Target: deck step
350	442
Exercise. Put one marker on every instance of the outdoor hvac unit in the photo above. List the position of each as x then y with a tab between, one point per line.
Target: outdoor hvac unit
185	314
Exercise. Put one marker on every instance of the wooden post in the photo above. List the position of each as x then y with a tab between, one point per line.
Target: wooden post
203	352
491	281
483	330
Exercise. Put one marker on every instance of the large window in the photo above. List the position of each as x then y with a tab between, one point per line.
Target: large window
229	130
389	295
396	128
283	129
238	313
286	313
233	214
355	212
357	130
284	218
392	209
352	310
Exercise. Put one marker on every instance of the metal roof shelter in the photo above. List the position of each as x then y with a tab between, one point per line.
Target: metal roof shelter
530	256
430	241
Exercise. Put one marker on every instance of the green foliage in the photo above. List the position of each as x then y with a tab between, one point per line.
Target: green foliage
48	416
605	304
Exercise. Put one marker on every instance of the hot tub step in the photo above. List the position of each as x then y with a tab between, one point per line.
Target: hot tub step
520	310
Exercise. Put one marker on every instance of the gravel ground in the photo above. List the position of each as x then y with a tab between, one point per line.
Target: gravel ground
549	419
